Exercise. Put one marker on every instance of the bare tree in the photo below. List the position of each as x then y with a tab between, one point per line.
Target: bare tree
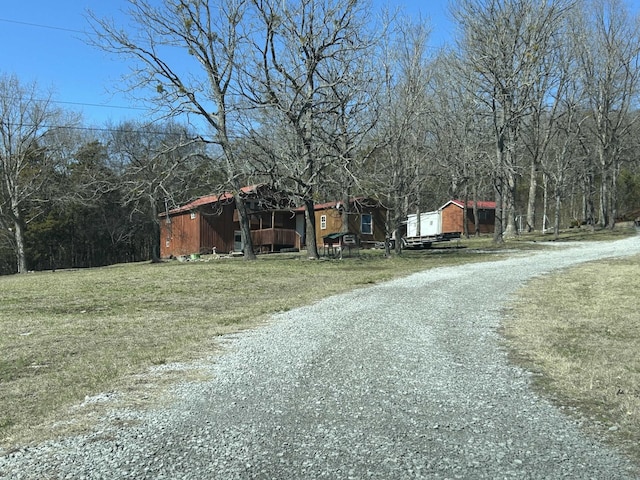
300	53
607	45
187	52
154	166
460	133
397	169
27	158
554	98
504	43
548	105
346	129
563	147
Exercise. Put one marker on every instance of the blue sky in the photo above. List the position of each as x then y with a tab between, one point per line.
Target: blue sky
41	41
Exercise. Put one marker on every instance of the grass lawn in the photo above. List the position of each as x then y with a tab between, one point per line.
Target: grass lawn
579	330
70	334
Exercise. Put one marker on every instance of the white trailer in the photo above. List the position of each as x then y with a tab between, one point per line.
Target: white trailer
424	229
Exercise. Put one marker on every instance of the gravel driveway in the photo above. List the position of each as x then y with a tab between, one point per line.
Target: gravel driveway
403	380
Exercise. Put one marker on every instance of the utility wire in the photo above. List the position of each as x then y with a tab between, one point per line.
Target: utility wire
39	25
83	104
101	105
63	29
105	129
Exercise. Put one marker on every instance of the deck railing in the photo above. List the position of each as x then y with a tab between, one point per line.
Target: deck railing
273	236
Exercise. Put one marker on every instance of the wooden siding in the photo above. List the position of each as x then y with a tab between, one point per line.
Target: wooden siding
452	219
197	232
217	228
334	225
215	225
179	236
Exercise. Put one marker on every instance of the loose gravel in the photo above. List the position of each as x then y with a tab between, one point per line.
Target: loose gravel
403	380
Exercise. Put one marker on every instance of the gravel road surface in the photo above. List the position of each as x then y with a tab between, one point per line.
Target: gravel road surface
403	380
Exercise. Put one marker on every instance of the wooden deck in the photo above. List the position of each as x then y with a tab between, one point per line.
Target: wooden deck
272	239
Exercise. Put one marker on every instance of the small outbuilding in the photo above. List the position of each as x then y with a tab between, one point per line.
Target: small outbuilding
453	216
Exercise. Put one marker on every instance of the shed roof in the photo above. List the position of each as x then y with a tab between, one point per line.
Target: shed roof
482	204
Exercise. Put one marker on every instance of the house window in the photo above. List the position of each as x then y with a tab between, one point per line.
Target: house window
323	222
366	224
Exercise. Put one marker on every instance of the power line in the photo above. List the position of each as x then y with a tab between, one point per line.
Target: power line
85	104
64	29
115	129
82	104
39	25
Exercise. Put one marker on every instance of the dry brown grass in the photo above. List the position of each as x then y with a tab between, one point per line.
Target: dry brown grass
580	331
70	334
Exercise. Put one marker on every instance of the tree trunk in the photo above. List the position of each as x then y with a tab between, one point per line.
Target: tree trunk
603	155
389	235
509	205
21	257
531	202
604	192
465	212
245	228
398	244
545	201
310	220
155	240
344	213
497	229
613	198
476	218
589	204
556	216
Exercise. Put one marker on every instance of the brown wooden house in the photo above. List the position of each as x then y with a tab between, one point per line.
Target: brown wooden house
362	222
211	223
453	217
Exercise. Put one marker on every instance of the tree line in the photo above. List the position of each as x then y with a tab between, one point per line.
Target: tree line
533	104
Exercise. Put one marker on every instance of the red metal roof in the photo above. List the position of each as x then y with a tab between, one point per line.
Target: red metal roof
482	204
209	199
